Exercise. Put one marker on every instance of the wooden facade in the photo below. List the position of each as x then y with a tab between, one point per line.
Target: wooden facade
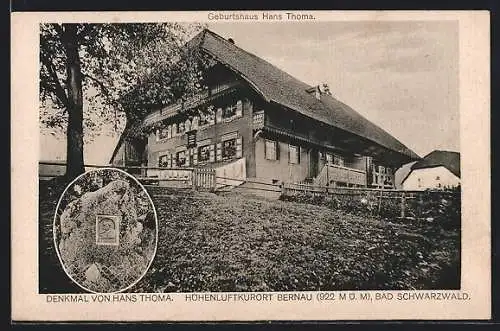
233	120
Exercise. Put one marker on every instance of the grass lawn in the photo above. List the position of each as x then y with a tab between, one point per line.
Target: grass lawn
233	242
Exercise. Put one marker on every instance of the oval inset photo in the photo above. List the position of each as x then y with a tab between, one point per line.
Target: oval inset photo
105	230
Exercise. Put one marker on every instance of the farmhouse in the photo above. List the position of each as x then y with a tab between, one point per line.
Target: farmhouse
255	121
437	170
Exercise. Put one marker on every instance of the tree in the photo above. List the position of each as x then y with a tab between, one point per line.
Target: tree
96	74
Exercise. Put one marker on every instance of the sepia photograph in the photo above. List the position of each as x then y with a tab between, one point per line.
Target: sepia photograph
105	231
279	156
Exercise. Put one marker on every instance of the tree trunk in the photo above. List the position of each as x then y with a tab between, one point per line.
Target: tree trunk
74	133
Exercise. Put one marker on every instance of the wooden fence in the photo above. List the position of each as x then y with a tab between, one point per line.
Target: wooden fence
204	179
401	202
196	178
381	201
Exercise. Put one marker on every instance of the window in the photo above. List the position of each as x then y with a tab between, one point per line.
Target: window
163	133
229	148
181	158
229	111
438	178
204	153
203	119
271	150
207	116
182	128
293	154
163	161
338	160
329	158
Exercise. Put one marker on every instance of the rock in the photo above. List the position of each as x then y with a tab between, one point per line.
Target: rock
92	273
78	247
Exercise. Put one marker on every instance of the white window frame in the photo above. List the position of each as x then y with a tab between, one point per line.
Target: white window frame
266	150
226	157
296	149
185	157
164	155
200	160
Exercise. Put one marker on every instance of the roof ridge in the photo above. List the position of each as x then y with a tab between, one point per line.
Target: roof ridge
227	42
442	151
277	85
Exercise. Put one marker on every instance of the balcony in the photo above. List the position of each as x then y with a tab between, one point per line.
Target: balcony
339	175
174	109
191	102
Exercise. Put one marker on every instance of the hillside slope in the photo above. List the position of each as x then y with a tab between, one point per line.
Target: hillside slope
239	243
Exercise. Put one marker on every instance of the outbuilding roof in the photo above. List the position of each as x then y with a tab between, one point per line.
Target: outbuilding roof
449	160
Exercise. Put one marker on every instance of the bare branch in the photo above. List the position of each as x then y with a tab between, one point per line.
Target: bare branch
104	88
58	89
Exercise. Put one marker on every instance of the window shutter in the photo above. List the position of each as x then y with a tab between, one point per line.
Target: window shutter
157	135
218	115
212	153
218	156
187	125
239	108
195	156
174	160
239	147
188	157
174	130
277	147
167	156
196	121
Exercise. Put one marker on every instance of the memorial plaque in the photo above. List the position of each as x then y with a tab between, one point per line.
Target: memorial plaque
107	230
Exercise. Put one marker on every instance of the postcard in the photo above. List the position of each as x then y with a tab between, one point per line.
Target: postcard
250	165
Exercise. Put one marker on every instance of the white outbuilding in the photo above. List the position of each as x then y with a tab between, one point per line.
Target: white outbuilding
437	170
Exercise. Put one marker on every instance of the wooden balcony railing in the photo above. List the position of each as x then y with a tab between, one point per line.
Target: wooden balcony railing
191	102
335	173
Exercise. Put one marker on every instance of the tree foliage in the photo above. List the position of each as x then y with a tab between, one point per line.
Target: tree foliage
94	76
126	68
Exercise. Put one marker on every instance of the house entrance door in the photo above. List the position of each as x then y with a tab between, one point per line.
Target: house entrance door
313	162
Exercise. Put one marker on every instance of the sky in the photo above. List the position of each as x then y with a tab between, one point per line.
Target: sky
401	75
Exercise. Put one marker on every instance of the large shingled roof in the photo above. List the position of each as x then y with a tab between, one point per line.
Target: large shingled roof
447	159
279	87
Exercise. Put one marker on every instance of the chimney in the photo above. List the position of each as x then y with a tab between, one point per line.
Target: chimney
326	89
316	90
231	40
317	93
